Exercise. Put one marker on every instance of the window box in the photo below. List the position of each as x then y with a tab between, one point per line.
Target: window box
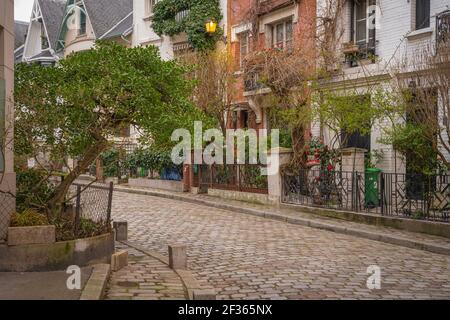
350	49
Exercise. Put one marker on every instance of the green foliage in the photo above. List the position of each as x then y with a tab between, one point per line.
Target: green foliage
201	11
89	228
411	139
71	110
33	189
349	112
28	218
110	162
97	92
151	159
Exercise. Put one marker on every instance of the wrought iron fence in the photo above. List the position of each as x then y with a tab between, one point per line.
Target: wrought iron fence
391	194
7	202
443	27
244	178
90	206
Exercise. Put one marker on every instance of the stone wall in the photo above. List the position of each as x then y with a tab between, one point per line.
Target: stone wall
56	256
176	186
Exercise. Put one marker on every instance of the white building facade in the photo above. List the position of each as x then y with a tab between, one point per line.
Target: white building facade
387	34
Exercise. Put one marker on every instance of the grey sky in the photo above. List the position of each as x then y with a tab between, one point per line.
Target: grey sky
22	9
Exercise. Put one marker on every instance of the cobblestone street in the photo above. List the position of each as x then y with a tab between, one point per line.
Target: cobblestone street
145	278
247	257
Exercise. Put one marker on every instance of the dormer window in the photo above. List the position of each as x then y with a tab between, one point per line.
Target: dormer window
44	40
82	28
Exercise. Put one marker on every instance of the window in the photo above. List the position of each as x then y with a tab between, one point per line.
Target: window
282	34
82	29
364	25
422	14
44	40
150	4
244	47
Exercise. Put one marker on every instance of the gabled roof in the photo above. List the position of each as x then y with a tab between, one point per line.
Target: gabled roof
20	32
106	15
43	55
121	29
52	14
18	54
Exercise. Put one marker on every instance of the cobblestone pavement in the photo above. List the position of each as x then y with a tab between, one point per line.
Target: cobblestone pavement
145	278
247	257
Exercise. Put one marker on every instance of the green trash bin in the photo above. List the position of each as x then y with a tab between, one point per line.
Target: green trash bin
372	187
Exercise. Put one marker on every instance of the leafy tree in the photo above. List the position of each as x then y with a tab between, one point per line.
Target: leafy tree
72	110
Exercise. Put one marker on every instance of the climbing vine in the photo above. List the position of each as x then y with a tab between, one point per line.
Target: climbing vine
197	13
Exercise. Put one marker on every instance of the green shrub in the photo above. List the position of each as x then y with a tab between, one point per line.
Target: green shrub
110	161
33	189
151	159
28	218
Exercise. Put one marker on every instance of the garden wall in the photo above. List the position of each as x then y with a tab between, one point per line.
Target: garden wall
243	196
169	185
57	256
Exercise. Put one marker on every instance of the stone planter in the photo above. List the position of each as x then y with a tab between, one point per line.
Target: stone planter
31	235
56	255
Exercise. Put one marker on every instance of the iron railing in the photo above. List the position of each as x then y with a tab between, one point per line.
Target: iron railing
180	16
391	194
252	82
443	27
244	178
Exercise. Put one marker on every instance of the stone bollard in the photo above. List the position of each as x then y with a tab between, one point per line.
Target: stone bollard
205	294
177	257
119	260
121	228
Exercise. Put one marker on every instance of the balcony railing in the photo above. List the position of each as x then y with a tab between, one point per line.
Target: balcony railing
443	27
252	82
180	16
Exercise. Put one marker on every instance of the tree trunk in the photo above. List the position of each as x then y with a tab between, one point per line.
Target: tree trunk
56	203
298	147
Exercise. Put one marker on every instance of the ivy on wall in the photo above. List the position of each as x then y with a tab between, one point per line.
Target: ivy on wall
200	12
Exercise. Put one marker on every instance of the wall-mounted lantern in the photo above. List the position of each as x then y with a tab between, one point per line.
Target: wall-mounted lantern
211	26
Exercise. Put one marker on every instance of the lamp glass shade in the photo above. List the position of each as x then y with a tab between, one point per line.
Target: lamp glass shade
211	26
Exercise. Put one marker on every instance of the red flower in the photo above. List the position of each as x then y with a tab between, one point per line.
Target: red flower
330	167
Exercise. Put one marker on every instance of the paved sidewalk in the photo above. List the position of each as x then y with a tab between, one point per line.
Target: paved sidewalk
296	216
145	278
39	285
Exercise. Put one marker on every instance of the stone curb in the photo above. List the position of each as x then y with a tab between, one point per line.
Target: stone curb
190	283
382	237
96	285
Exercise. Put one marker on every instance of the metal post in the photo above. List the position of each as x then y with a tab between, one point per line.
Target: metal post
110	195
77	210
382	190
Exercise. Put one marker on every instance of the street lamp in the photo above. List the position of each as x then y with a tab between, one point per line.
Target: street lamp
211	26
